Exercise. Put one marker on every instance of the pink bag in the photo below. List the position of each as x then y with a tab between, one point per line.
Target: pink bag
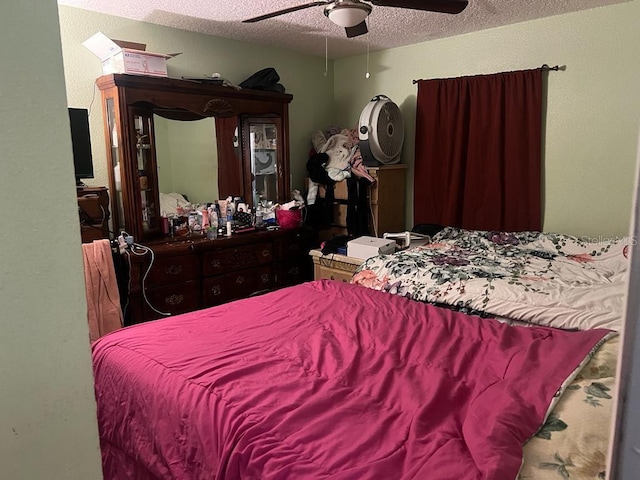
289	218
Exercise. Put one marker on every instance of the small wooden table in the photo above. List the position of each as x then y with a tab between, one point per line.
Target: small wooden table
93	208
334	266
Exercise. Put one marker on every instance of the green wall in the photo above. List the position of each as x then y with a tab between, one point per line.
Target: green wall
302	75
592	110
48	427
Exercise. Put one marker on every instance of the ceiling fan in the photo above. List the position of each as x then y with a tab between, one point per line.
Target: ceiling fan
351	14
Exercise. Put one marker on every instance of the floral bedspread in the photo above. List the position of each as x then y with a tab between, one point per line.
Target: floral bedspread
573	443
542	278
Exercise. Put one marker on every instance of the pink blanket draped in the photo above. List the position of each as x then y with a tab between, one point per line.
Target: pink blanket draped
103	299
327	380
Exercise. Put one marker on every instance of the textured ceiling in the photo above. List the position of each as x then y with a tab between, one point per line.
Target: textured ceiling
306	30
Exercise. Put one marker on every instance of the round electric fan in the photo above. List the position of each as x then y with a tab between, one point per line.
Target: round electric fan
381	132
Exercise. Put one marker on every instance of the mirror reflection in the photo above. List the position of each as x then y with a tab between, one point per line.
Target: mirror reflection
187	161
263	140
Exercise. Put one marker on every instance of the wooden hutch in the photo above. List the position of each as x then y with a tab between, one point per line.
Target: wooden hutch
251	153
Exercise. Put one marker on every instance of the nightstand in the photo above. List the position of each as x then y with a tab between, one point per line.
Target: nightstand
93	208
334	266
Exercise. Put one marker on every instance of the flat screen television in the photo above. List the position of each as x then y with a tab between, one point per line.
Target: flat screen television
81	141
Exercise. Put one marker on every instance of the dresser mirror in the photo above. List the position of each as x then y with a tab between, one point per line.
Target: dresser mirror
187	158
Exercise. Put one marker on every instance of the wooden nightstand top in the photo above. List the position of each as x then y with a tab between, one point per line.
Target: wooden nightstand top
318	257
334	265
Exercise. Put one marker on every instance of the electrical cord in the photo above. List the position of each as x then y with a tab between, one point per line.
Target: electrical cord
146	273
145	250
327	260
93	97
92	224
126	305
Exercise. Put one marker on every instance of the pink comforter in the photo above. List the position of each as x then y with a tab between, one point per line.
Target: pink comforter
327	380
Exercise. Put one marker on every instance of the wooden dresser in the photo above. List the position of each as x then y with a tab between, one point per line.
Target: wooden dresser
194	273
386	200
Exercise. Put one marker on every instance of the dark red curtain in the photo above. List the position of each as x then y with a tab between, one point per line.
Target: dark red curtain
478	152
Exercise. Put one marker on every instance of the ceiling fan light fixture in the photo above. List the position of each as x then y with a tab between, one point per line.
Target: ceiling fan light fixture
347	14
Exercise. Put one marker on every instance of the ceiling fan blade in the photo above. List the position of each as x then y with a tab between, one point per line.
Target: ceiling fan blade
442	6
357	30
286	10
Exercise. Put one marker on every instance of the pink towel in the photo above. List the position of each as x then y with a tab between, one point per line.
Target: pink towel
103	300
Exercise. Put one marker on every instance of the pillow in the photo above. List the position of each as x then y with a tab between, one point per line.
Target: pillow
169	202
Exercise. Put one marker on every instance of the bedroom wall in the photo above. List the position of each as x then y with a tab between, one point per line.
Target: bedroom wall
592	114
302	75
47	408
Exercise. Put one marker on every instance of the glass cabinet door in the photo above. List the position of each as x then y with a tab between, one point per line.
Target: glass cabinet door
115	157
145	176
265	152
133	176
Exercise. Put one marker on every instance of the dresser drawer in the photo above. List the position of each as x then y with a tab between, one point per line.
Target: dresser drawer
340	191
220	289
332	274
334	266
340	214
167	270
228	260
292	246
292	273
244	283
173	299
214	291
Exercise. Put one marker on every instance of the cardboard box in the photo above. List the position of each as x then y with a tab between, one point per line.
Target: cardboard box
367	247
118	56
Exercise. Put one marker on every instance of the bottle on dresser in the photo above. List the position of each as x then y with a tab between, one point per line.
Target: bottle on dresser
229	220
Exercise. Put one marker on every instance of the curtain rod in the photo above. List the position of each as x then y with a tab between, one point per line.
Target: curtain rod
544	68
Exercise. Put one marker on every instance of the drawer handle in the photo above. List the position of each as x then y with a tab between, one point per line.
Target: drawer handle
173	269
240	280
294	247
294	271
215	263
265	278
174	299
216	290
266	252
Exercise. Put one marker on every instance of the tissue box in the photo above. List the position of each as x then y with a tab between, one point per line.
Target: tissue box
366	247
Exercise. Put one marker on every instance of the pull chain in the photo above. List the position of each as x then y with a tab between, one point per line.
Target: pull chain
367	75
326	56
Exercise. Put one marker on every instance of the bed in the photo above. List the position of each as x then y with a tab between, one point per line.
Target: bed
541	278
332	380
525	279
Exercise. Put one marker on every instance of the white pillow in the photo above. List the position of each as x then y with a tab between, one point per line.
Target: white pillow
169	203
